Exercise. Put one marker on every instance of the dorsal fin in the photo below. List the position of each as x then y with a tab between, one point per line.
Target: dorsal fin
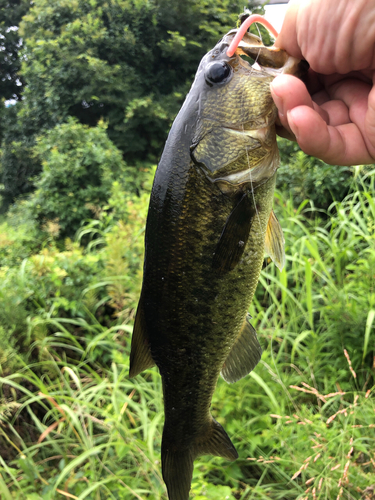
140	355
275	242
234	236
244	355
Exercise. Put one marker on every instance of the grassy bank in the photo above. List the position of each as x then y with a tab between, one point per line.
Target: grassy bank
73	425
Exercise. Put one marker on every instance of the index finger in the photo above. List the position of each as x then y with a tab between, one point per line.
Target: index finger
335	145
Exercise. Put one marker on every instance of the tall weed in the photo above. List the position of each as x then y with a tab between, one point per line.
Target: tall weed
74	425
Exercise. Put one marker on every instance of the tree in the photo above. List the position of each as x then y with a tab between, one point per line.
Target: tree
18	165
129	62
11	13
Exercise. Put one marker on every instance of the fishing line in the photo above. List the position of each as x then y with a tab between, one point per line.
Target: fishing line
260	35
247	153
252	188
231	50
249	166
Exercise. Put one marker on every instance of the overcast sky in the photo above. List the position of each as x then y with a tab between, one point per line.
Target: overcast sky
275	14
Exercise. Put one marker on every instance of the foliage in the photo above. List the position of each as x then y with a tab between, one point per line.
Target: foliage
129	62
46	285
11	13
328	271
119	237
123	256
300	443
99	433
18	163
74	424
307	178
79	165
41	281
18	241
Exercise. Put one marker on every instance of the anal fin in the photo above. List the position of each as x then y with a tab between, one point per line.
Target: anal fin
275	242
216	442
140	355
244	355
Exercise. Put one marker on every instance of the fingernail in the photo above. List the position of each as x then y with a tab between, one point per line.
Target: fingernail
292	124
278	101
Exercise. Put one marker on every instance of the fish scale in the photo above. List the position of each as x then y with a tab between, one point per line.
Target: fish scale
209	222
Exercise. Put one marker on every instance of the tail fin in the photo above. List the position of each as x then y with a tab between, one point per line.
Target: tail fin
177	463
177	468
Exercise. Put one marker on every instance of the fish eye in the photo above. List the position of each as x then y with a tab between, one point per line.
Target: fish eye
217	72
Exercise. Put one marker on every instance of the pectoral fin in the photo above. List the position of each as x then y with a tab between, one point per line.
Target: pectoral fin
234	236
244	356
275	242
140	355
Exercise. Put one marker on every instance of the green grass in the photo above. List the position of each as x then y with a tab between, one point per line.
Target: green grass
73	425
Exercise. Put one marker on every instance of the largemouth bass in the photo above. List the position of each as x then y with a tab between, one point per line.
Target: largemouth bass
210	220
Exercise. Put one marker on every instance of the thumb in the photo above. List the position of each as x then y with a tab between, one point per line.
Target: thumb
287	39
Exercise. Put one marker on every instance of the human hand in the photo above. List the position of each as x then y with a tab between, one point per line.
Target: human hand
333	116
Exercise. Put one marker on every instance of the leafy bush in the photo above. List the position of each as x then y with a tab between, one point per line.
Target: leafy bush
79	166
119	235
47	285
18	163
304	177
123	256
42	281
18	241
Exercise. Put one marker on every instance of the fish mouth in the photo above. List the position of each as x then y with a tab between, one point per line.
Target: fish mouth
272	60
